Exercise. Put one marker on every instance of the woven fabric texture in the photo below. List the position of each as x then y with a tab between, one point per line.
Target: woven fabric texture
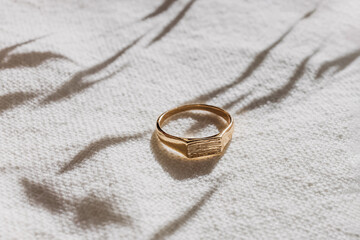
83	82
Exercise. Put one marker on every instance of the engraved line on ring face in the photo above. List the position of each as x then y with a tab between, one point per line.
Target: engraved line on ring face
204	147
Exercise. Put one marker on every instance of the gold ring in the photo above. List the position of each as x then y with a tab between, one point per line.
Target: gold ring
197	147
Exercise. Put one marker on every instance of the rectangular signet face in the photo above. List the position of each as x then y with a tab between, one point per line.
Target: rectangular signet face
204	147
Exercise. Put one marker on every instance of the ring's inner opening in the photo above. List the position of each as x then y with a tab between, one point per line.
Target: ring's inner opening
194	124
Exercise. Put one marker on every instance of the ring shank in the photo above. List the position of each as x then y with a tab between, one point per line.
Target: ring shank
218	111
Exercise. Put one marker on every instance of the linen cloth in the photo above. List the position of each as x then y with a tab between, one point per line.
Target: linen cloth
81	86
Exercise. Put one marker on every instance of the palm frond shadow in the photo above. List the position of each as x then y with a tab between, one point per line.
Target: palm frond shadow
236	100
12	100
92	212
172	23
76	83
94	148
5	51
28	59
180	221
43	196
284	91
254	65
339	63
162	8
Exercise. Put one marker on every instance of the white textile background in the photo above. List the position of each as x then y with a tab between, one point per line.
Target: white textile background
81	86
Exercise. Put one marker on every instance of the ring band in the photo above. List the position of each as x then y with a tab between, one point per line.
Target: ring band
197	147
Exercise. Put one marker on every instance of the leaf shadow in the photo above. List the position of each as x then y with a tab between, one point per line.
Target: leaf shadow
93	212
172	23
28	59
254	65
89	212
42	195
5	51
236	100
285	90
180	221
162	8
339	63
11	100
76	84
94	148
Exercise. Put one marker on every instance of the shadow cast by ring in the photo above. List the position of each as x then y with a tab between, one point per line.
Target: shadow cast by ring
180	167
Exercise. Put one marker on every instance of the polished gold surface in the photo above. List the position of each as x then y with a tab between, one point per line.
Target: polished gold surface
197	147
